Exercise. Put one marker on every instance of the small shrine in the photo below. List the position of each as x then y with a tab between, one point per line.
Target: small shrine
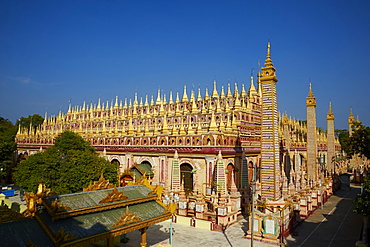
99	214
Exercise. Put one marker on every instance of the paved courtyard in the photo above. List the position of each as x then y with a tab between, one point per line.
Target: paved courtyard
184	236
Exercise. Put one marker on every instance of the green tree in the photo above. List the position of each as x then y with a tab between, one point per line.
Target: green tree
7	146
359	144
359	141
343	136
67	167
25	122
362	202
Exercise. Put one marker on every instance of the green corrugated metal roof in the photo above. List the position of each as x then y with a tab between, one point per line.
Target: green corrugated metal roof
145	168
21	232
95	223
135	173
92	198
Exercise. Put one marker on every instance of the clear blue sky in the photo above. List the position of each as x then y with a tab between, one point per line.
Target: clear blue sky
53	52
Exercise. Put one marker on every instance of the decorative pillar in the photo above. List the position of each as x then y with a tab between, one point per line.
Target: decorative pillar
270	174
331	140
311	136
143	236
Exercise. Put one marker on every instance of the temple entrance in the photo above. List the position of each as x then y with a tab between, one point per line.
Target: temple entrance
229	178
187	177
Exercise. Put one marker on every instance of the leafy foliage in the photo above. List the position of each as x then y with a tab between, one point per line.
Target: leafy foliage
343	136
67	167
362	202
7	146
359	141
25	122
359	144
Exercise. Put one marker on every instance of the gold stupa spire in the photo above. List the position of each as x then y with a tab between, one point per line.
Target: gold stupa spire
214	92
330	115
199	98
185	96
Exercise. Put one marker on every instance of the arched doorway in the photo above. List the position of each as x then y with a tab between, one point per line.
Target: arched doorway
187	177
230	171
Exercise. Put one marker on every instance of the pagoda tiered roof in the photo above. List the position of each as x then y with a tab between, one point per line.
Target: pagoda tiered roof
84	218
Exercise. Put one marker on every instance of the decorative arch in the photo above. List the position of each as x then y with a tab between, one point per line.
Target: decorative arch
129	141
148	160
144	141
180	141
172	141
188	141
208	140
116	162
136	141
153	141
162	141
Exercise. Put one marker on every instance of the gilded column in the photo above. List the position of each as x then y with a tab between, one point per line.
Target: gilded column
270	174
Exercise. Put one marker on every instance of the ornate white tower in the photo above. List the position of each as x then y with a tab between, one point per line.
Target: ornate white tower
311	136
270	174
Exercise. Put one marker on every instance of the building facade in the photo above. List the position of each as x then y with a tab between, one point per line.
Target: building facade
201	148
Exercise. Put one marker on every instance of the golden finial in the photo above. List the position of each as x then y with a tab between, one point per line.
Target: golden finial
199	98
214	93
158	97
268	61
116	103
310	93
185	96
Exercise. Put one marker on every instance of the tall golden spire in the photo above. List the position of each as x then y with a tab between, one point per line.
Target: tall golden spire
310	100
214	92
351	118
185	96
268	61
330	115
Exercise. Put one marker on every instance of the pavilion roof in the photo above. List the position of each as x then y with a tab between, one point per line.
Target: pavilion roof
23	232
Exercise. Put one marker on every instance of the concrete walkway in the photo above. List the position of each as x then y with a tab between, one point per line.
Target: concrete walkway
334	225
186	236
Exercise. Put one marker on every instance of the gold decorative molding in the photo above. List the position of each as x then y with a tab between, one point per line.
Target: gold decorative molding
100	207
30	244
127	218
31	201
143	181
170	208
62	236
114	196
101	184
57	207
156	191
